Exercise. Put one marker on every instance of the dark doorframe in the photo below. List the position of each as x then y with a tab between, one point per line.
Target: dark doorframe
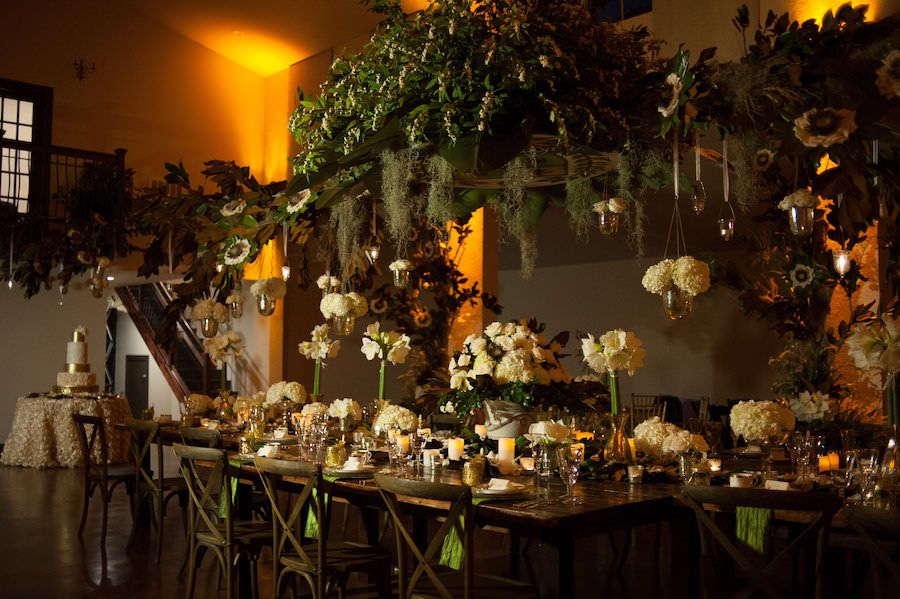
137	373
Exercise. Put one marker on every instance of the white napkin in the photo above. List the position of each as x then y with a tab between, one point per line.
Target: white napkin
281	432
498	484
265	451
352	463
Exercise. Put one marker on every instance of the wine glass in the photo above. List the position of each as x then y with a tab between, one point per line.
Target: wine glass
712	432
569	458
842	472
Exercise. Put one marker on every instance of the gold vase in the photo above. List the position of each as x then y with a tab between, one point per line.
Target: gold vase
209	327
265	304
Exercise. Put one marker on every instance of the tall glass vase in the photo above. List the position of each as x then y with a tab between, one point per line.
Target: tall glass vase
618	449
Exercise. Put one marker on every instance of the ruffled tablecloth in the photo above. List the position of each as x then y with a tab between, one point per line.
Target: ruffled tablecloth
44	435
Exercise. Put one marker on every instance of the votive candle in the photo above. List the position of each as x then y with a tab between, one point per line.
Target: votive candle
506	450
403	443
715	464
481	430
828	462
454	448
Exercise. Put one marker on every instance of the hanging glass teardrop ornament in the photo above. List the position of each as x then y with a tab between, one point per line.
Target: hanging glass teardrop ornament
698	197
372	251
726	218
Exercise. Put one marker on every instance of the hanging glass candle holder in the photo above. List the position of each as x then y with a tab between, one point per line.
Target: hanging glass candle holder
677	303
372	251
801	220
698	198
286	272
842	261
401	278
344	324
726	228
265	304
236	307
209	327
608	221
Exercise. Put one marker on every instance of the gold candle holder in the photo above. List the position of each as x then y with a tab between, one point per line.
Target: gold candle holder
335	455
473	472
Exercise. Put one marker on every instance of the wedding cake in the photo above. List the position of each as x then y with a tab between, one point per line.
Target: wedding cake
77	377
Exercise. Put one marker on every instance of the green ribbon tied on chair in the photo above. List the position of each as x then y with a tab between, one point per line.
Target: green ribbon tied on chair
452	551
311	531
751	524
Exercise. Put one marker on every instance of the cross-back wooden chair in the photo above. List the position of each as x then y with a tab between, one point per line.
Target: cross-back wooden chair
211	523
644	407
758	571
878	530
100	474
429	580
201	437
159	490
325	565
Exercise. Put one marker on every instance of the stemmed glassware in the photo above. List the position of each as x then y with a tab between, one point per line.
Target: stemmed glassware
570	458
842	475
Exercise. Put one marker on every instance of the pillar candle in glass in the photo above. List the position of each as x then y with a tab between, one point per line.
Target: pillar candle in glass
454	449
403	442
506	450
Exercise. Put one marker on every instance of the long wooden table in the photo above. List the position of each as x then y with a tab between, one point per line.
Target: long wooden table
607	507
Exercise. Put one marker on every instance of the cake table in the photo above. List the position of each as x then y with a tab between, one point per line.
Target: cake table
44	436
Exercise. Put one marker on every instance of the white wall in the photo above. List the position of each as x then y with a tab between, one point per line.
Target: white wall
715	351
34	337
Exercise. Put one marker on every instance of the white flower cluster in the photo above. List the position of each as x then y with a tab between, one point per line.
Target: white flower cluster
656	439
389	345
687	273
402	264
393	414
218	347
316	408
757	421
345	408
553	431
674	81
809	406
509	353
274	288
343	304
321	346
293	392
209	308
616	205
234	298
877	344
802	198
614	350
327	281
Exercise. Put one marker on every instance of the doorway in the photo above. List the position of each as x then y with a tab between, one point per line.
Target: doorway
137	372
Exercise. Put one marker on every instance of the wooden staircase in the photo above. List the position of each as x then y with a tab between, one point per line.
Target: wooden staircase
187	369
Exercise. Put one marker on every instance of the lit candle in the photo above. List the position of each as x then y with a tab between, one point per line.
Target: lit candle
481	430
392	435
506	450
828	462
841	261
403	443
454	449
715	464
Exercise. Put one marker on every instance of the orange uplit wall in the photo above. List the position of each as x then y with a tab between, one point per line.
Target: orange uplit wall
802	10
477	260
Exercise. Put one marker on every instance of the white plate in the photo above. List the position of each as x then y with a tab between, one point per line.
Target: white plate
512	489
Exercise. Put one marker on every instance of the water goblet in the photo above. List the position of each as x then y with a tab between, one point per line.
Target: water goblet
569	458
712	432
842	475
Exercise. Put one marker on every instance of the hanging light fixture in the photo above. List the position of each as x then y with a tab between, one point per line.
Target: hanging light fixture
286	268
698	198
373	249
842	261
726	212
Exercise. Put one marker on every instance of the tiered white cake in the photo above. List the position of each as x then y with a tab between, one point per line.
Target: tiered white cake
77	377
